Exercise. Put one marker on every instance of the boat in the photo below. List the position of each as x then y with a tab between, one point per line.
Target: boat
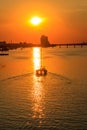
4	54
4	51
41	72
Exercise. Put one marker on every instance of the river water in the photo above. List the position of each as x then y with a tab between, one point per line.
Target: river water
57	101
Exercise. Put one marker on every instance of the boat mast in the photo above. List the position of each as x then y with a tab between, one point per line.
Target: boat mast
41	56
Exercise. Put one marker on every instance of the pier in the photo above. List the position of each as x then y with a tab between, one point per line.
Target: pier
72	44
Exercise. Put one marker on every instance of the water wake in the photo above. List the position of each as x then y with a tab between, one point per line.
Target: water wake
16	77
61	77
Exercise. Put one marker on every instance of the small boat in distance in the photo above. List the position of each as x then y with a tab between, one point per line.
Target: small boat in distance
41	72
4	51
4	54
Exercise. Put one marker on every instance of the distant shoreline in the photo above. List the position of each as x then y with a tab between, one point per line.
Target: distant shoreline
4	46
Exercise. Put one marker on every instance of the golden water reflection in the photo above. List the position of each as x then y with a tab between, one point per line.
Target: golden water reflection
37	91
37	58
38	94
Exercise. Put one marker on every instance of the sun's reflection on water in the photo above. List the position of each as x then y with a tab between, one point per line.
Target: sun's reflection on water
38	99
37	91
37	58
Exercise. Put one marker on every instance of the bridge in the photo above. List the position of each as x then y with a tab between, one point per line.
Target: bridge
71	44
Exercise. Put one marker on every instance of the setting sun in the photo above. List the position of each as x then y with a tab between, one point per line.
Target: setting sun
36	20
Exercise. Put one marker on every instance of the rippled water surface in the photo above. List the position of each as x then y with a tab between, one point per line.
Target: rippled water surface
57	101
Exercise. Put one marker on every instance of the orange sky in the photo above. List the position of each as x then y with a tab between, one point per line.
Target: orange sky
64	21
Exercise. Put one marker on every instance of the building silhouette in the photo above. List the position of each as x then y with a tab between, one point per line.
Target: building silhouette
44	41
